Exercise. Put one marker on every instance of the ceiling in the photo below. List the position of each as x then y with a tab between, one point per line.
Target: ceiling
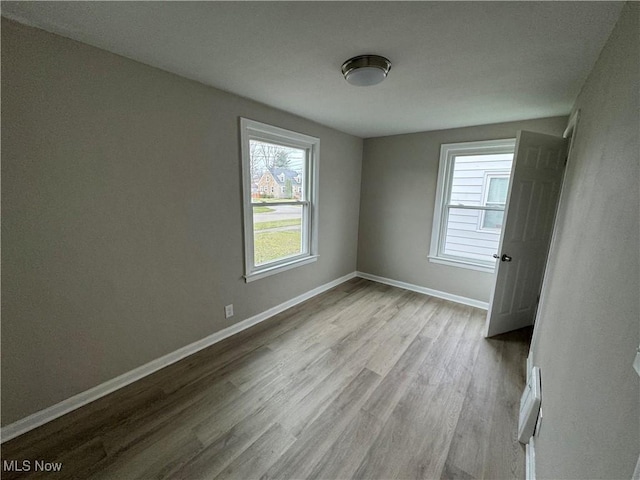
454	64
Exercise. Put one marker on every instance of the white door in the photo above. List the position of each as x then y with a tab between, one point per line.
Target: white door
534	190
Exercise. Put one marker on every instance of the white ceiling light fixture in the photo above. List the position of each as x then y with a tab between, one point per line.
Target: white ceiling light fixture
366	70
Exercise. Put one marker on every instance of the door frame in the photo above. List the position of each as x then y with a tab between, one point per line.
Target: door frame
570	132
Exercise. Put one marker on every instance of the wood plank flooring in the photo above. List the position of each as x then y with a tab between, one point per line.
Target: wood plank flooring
365	381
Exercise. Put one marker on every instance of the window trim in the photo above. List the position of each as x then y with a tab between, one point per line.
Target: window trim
253	130
448	151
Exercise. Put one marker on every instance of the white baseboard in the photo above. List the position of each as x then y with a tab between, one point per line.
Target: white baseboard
530	460
427	291
51	413
59	409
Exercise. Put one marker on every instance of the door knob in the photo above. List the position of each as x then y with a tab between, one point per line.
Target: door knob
505	258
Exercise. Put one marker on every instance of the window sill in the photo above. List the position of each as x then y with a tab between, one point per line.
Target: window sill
462	264
268	271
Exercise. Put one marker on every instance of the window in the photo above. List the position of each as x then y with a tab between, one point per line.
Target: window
495	195
473	184
280	228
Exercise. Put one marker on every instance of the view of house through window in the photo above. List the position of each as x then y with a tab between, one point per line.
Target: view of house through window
496	196
280	175
473	187
277	174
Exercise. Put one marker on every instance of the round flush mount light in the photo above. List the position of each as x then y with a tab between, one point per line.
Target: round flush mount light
366	70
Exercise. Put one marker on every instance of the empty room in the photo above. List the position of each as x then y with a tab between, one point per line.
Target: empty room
320	240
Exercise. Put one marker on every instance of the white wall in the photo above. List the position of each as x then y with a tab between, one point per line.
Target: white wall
589	316
122	216
399	177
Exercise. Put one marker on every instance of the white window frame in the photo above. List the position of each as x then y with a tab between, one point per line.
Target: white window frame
448	152
252	130
488	176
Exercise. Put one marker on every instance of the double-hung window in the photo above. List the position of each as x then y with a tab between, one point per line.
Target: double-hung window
280	183
473	184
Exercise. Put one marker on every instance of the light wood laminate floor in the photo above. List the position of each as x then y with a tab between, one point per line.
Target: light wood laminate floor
364	381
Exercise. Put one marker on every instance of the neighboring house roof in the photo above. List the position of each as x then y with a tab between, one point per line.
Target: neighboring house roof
281	175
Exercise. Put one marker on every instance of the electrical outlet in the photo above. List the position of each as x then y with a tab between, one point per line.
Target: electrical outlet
228	311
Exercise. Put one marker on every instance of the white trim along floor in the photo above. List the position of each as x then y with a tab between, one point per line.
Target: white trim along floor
51	413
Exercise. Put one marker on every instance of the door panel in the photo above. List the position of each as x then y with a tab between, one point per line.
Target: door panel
538	166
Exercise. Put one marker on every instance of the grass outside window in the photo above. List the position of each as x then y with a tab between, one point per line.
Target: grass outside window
272	245
277	224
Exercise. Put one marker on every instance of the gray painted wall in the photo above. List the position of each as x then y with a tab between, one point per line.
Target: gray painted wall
122	222
589	317
399	177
